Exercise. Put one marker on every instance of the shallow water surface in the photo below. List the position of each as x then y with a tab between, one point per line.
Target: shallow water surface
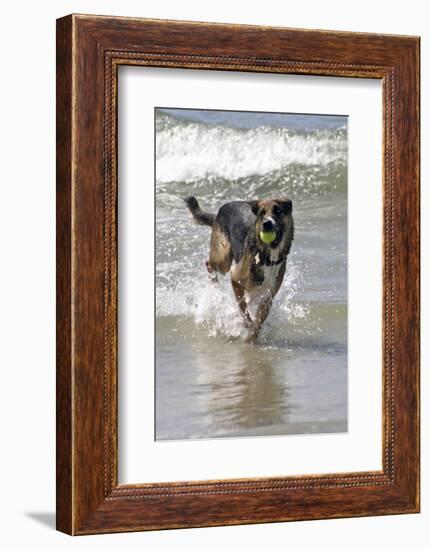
209	382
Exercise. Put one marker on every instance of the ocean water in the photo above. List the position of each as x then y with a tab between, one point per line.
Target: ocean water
293	380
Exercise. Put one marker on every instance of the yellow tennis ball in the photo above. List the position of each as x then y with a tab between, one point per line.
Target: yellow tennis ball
267	236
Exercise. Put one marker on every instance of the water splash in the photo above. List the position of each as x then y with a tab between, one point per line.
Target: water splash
214	310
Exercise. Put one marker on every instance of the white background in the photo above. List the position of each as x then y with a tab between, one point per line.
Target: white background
27	119
141	458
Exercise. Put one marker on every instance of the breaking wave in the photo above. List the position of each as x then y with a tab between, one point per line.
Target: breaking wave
191	151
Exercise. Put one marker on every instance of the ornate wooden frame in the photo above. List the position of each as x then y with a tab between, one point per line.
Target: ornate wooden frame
89	51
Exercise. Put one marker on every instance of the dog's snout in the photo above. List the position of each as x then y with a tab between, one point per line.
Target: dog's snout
268	225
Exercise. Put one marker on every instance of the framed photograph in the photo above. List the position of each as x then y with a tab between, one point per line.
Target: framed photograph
237	274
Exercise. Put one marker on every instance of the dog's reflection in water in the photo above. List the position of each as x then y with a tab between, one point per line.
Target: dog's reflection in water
242	392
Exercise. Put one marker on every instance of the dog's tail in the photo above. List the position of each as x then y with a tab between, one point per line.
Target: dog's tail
202	218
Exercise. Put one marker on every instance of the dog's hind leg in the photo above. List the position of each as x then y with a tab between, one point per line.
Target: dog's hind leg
220	259
211	273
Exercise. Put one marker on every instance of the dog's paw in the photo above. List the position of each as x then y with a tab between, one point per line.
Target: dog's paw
254	331
247	322
251	338
211	273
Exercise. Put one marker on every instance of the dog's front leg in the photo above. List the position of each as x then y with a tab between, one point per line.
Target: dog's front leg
239	295
261	314
265	306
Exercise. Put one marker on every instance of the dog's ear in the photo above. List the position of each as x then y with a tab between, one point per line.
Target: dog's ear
285	205
255	206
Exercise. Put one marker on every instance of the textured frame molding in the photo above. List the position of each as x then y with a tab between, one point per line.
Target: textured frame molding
89	498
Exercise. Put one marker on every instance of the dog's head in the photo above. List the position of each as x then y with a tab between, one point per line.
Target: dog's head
274	215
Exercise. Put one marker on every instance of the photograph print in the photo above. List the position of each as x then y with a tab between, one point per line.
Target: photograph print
251	273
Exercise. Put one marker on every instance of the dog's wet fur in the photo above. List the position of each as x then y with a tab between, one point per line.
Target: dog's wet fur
256	268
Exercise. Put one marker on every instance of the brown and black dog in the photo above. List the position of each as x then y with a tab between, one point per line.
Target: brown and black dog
256	268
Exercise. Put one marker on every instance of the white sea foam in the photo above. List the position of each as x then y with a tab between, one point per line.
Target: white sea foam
190	151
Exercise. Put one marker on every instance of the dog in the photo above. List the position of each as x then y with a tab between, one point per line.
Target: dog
237	245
